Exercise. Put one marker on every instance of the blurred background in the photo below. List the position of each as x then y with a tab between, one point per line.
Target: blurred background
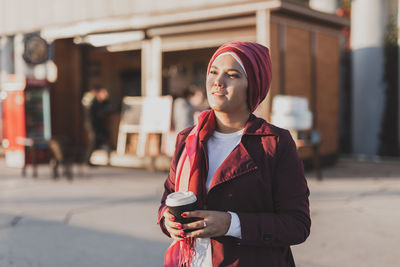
109	83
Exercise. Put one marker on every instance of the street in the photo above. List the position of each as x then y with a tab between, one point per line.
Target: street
107	217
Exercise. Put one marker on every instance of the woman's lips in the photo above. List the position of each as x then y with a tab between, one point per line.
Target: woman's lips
217	93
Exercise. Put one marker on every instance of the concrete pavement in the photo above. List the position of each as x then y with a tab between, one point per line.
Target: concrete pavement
106	217
355	217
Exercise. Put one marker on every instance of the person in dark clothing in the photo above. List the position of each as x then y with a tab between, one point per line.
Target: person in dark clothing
99	112
97	107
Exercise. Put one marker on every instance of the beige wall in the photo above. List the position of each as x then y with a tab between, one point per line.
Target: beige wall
29	15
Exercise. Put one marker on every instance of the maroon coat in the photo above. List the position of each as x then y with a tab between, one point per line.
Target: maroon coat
263	181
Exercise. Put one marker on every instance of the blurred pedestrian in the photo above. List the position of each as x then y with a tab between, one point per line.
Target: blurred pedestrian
198	101
252	196
183	111
97	107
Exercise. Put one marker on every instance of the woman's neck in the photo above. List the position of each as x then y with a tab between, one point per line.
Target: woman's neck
230	123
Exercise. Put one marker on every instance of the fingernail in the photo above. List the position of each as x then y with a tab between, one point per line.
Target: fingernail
183	234
179	226
173	218
184	214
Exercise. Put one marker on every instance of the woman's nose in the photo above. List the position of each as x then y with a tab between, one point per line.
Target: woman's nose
219	81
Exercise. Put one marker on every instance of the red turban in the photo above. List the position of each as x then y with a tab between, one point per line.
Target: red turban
257	63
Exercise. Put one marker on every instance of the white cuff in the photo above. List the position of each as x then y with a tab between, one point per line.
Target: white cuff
235	229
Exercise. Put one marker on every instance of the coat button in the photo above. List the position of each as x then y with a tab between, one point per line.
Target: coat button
267	237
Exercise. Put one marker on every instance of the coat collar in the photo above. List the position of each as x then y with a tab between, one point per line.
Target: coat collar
254	126
239	160
258	126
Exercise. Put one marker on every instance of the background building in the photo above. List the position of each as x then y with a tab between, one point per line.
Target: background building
136	49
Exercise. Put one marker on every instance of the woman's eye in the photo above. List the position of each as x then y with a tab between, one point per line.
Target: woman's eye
213	72
233	75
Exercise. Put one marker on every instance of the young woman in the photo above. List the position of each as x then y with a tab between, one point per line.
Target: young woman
249	181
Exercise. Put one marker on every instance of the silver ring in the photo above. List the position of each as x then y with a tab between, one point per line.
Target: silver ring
204	224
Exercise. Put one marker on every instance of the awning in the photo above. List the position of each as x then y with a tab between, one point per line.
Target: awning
106	39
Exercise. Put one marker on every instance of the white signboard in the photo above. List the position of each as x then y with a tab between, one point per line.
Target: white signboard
144	115
147	114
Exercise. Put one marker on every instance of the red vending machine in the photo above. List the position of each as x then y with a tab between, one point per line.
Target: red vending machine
26	121
14	122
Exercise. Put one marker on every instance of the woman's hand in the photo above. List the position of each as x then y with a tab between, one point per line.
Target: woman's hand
174	228
212	223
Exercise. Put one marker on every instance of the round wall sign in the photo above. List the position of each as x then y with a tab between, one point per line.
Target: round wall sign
36	49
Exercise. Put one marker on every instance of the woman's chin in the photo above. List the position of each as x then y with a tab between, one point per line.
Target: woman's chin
217	107
223	109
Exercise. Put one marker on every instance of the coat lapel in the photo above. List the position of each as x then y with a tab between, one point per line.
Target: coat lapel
239	161
236	164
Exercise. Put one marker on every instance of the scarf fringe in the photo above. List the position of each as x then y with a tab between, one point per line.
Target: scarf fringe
186	252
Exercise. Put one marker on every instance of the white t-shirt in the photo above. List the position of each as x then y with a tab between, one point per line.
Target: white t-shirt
219	146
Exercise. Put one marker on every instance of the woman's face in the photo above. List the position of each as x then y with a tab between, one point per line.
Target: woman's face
227	86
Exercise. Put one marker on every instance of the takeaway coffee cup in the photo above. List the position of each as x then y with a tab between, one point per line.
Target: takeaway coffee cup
179	202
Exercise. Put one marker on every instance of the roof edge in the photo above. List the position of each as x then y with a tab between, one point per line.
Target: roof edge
314	14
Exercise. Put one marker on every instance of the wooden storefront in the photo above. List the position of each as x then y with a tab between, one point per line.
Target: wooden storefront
305	49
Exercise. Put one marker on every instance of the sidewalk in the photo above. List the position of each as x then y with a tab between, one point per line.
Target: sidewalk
355	216
107	218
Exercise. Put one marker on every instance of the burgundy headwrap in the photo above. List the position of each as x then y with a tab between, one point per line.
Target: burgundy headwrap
257	64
